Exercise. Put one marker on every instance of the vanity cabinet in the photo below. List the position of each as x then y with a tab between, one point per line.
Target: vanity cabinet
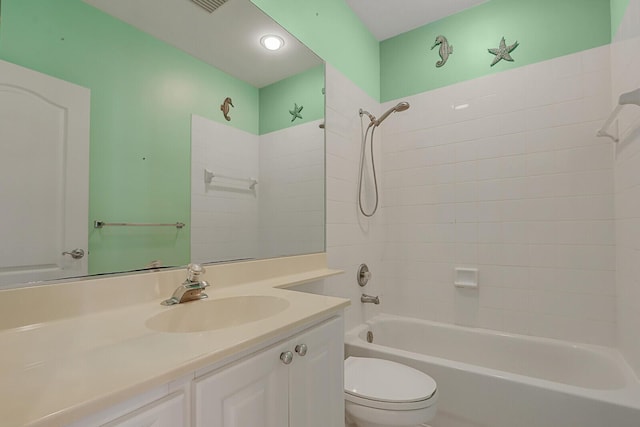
298	382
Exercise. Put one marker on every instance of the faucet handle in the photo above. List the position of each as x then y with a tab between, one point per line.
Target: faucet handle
194	271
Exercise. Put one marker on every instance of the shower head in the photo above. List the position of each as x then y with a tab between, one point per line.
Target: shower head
401	106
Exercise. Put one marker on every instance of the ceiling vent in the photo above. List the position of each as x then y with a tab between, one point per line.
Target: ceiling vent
209	5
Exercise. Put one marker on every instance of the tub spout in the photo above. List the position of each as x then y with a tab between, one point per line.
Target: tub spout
369	299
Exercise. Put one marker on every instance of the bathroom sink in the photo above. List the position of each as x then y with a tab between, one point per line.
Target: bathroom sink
208	315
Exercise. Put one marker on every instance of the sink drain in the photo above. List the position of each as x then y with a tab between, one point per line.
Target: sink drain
369	337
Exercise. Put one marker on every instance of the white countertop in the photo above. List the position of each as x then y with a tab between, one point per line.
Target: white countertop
59	371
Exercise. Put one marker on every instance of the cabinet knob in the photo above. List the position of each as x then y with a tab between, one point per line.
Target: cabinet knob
301	349
286	357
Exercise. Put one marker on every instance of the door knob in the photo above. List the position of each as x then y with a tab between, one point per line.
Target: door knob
286	357
301	349
75	254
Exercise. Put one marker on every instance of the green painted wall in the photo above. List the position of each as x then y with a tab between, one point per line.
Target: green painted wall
277	99
143	93
618	9
545	29
332	30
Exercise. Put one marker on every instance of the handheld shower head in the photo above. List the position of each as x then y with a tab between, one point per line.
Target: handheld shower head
401	106
373	124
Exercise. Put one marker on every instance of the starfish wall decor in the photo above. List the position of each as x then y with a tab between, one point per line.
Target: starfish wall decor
296	112
503	52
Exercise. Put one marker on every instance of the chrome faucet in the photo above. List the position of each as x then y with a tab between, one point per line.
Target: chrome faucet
369	299
191	289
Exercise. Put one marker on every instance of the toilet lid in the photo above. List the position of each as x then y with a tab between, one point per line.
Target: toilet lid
386	381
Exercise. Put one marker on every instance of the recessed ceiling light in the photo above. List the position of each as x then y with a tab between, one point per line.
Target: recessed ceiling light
271	42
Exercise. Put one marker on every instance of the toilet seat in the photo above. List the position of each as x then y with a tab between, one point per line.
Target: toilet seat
383	384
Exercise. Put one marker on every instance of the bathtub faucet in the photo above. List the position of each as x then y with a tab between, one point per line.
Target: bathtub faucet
369	299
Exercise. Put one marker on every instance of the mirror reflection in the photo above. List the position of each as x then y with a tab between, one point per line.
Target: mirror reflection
127	100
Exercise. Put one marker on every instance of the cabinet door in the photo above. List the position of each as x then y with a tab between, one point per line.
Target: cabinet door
316	379
167	412
252	393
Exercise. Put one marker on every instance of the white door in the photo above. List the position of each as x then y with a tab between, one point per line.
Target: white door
44	176
253	393
316	377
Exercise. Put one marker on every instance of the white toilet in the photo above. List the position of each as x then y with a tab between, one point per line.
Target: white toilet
382	393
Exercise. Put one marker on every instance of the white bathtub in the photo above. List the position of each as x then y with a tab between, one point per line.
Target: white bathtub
492	379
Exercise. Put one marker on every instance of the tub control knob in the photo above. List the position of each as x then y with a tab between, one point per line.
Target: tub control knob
301	349
286	357
363	275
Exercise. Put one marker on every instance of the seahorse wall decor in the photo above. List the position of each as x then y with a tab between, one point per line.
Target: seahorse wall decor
445	50
225	108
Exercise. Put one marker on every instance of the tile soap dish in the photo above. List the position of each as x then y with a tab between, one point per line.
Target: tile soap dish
466	277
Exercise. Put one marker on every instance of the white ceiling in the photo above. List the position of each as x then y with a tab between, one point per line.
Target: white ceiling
228	38
388	18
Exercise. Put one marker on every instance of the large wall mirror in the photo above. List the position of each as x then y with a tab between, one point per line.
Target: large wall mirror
202	145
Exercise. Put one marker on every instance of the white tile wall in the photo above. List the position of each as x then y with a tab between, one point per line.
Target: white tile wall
351	239
224	216
625	65
291	207
515	184
283	215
